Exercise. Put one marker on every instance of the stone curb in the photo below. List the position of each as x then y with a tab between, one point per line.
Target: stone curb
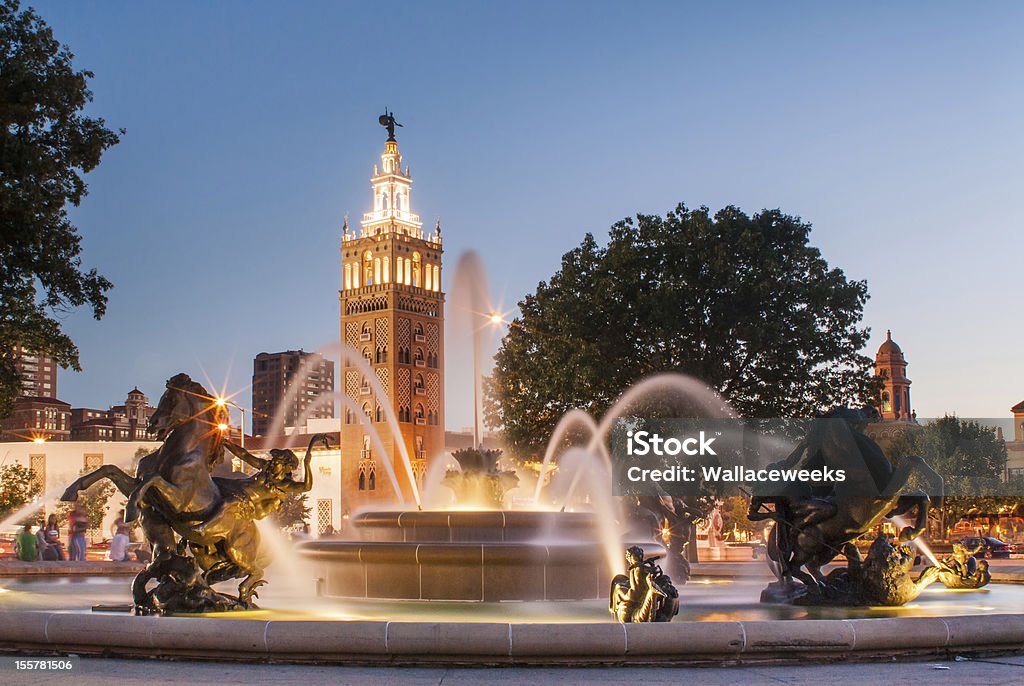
90	568
496	643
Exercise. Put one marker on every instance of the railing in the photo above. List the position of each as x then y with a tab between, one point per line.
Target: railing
421	421
419	390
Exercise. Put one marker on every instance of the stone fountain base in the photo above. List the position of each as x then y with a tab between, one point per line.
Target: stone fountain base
484	556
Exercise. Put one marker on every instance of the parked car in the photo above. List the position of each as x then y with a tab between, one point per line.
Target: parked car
990	547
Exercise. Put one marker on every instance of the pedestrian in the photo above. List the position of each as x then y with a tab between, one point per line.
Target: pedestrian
78	524
119	543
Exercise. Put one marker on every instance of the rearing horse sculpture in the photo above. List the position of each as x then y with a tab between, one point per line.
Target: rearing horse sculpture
188	421
813	525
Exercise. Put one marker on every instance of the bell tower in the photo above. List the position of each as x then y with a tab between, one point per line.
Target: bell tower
891	366
392	313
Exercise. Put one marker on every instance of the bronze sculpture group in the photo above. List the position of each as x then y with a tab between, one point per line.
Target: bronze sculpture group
202	528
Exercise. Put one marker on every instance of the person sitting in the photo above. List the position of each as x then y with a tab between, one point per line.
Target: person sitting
119	543
26	545
53	549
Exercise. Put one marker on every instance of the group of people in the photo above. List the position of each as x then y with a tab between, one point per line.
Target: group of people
45	544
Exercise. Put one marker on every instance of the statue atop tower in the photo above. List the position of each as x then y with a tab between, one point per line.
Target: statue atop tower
387	120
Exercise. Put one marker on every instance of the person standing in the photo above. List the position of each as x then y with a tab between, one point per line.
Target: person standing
78	524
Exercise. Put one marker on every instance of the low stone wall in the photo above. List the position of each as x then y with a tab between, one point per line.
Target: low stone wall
10	568
495	643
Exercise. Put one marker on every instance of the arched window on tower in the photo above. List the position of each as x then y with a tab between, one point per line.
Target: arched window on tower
366	355
387	269
376	271
416	269
437	278
378	414
384	200
428	278
886	402
399	267
366	411
408	272
368	269
348	275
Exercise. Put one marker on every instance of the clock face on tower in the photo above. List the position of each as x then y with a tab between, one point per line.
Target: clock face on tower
392	335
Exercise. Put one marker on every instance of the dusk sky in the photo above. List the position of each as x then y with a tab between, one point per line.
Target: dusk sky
895	129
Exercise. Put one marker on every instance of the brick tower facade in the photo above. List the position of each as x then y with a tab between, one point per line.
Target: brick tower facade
392	316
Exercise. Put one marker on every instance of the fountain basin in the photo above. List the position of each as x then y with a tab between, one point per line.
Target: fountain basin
318	642
472	555
485	572
479	526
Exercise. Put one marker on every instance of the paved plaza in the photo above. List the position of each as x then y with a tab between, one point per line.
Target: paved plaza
103	672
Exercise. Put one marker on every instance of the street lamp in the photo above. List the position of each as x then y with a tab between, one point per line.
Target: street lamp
224	402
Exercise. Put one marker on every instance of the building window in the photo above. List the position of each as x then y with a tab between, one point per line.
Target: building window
37	465
324	518
415	269
368	269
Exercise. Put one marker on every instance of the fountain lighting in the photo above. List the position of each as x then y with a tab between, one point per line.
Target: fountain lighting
920	544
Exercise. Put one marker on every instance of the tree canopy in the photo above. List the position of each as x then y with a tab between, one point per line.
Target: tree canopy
968	455
47	143
743	303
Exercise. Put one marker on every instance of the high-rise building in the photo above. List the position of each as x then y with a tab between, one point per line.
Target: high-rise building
38	373
291	383
891	366
392	325
37	414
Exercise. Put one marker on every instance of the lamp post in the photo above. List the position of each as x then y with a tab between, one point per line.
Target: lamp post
224	402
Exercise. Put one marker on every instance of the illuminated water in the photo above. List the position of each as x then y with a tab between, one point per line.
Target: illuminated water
703	599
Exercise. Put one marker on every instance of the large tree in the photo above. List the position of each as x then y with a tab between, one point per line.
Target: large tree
971	459
744	303
47	143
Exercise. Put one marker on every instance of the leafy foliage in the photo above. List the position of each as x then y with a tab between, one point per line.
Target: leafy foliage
46	145
294	512
971	460
95	499
17	487
743	303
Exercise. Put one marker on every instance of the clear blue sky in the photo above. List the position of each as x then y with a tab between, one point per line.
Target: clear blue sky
893	128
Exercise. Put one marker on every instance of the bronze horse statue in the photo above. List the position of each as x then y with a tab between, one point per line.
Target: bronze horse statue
173	494
813	524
